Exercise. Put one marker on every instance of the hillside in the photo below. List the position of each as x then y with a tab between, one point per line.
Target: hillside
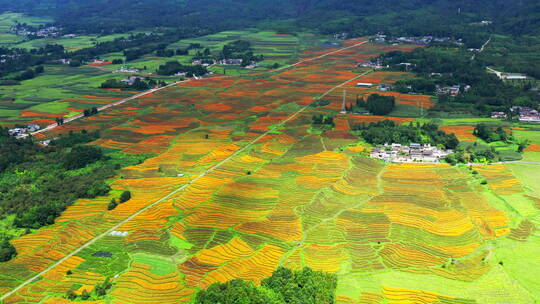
516	17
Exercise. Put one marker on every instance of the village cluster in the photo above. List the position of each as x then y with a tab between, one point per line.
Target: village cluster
40	32
418	40
523	114
412	153
23	132
227	61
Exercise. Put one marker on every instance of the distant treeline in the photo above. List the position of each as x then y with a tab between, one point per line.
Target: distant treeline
173	67
416	17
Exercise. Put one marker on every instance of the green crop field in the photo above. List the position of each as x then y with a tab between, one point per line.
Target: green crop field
59	91
274	47
75	43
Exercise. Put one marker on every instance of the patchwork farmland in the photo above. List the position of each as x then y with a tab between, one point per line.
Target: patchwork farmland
252	187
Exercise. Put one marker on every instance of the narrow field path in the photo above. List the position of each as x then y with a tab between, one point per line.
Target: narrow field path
174	192
482	48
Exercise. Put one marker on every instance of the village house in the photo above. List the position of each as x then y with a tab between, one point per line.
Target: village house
384	87
498	115
413	153
379	38
203	62
508	76
23	132
377	65
63	61
526	114
131	80
454	90
364	84
126	70
230	61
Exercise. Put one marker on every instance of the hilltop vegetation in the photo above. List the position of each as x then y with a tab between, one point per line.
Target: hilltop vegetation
328	16
388	132
284	286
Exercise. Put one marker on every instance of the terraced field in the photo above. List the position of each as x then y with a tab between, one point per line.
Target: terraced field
259	189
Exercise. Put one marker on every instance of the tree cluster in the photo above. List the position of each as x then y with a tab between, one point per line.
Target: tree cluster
240	49
491	133
7	250
387	132
323	120
173	67
90	112
98	293
124	197
138	84
284	286
378	104
474	153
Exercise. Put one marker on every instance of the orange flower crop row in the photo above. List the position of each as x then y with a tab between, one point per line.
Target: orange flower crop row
101	63
463	133
533	148
100	97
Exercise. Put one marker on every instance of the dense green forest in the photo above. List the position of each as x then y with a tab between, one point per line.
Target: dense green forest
37	183
330	16
284	286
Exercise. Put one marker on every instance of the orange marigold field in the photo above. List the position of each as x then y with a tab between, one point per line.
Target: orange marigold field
533	148
463	133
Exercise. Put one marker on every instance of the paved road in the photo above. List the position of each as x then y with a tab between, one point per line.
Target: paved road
174	192
322	56
517	162
482	48
79	116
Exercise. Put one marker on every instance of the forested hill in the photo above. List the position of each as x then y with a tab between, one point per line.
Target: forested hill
415	16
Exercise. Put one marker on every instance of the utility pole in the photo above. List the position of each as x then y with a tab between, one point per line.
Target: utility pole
343	108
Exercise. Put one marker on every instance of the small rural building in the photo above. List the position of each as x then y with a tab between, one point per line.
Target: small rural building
131	80
230	61
498	115
514	77
364	84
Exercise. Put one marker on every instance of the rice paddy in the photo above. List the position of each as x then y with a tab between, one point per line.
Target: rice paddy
407	233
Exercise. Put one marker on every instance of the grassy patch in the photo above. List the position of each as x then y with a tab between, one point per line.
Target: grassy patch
159	265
